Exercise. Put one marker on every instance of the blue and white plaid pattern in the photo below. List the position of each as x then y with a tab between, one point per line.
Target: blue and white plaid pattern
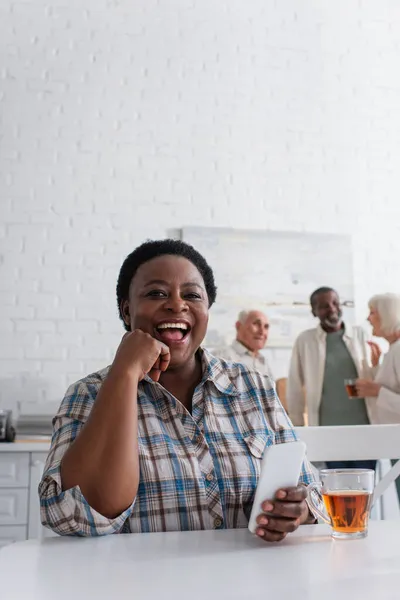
197	471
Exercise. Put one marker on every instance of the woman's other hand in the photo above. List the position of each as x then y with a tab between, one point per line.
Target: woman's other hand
141	354
367	388
375	353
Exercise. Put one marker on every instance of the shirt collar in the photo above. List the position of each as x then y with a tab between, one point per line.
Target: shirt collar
216	372
240	348
347	331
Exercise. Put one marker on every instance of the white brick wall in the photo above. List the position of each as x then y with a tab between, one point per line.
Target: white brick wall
125	120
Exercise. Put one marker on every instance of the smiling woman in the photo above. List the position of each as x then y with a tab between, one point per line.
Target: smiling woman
168	437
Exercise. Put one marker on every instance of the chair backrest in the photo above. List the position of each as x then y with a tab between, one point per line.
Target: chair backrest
356	442
281	391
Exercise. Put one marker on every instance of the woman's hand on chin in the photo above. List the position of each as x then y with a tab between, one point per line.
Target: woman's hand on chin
140	354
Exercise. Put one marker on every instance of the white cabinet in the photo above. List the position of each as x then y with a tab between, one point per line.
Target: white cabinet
13	506
14	470
20	474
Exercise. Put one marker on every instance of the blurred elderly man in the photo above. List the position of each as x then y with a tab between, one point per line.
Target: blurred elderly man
252	329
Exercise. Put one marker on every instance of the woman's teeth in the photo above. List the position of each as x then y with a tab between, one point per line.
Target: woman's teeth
173	326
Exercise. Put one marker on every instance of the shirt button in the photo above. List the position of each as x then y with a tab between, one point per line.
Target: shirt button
217	523
210	477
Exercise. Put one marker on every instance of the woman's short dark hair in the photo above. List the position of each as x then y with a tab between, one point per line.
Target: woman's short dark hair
154	248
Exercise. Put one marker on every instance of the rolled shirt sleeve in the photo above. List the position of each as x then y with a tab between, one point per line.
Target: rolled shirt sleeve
68	512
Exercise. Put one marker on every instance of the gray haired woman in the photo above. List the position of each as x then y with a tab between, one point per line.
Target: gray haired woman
384	316
384	384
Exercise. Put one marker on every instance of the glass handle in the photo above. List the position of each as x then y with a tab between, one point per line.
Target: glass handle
315	502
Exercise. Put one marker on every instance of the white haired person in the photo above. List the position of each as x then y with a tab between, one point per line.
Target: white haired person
384	385
252	329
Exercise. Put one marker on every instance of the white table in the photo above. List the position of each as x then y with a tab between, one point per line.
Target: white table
206	565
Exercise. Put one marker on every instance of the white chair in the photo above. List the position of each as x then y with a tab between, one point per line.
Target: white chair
360	442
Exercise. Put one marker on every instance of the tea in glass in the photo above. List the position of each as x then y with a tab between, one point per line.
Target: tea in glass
348	509
351	389
343	499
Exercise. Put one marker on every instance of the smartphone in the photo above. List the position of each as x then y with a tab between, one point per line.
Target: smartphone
280	468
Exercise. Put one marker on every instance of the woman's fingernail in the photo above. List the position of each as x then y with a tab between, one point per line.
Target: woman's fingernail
260	532
263	521
267	506
281	494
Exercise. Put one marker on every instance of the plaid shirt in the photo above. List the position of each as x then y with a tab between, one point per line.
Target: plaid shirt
197	471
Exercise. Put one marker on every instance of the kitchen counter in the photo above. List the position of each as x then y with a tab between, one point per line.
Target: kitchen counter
27	444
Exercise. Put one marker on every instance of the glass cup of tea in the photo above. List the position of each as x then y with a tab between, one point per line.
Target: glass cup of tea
343	500
351	388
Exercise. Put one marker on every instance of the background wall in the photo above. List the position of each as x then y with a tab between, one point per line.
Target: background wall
124	120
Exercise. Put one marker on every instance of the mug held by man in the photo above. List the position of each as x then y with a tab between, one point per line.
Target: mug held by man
351	387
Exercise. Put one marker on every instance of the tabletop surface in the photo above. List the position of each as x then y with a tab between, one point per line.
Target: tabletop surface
206	565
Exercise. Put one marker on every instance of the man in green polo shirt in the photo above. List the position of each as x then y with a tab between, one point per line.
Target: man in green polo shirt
322	359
